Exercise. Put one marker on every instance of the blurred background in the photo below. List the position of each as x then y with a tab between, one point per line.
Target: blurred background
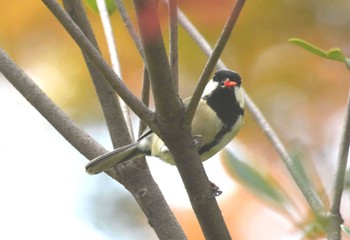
45	190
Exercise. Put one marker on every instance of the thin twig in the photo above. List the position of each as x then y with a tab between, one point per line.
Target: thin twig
113	53
310	195
197	36
133	102
174	53
333	230
130	27
214	57
145	94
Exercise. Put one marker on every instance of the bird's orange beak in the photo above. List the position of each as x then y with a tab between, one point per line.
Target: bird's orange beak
229	83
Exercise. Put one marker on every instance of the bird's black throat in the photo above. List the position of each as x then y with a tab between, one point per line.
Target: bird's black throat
224	103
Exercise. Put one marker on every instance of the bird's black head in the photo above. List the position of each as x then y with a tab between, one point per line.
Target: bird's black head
227	78
223	95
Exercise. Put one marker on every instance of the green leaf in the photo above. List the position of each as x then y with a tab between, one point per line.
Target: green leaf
254	180
308	46
109	3
345	229
298	166
335	54
332	54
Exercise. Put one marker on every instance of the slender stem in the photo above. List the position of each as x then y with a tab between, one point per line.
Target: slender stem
309	194
107	27
174	56
135	104
214	57
130	27
197	36
145	94
333	230
338	185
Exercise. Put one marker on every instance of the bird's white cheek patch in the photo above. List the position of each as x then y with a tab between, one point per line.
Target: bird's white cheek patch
211	86
239	96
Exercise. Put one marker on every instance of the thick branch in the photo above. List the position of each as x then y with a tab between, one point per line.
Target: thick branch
171	122
166	101
135	176
108	99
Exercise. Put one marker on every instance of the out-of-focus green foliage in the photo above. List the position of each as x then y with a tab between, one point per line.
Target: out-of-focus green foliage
345	229
332	54
109	3
255	180
305	170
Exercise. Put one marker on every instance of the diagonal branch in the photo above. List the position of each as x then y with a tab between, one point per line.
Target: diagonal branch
338	186
117	84
85	144
309	194
135	176
214	57
112	49
108	100
334	216
166	101
130	27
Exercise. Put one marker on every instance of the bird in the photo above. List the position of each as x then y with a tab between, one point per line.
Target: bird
217	120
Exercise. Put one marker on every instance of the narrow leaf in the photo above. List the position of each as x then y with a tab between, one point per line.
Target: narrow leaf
308	46
335	54
345	229
332	54
254	180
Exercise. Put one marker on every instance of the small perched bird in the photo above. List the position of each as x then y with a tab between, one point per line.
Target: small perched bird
218	118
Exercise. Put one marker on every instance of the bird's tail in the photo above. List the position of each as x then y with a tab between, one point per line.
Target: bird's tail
110	159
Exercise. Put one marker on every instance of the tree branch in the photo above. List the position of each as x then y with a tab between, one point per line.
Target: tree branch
335	219
214	57
108	100
145	95
113	53
129	26
166	101
174	57
135	176
117	84
170	116
79	139
310	195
